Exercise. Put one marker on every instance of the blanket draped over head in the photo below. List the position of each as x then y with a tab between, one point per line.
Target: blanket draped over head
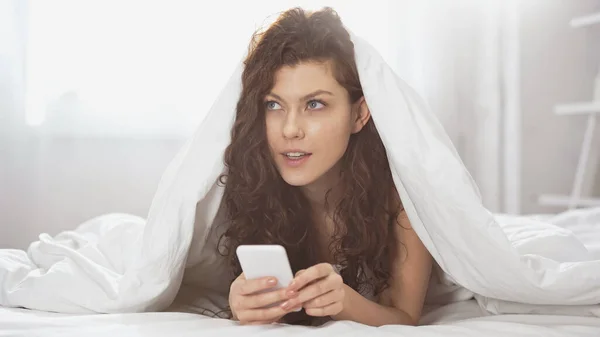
123	263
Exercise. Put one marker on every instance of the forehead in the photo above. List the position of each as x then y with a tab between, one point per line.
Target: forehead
305	77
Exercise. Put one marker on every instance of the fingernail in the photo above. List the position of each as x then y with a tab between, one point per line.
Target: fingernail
291	293
272	281
292	284
286	305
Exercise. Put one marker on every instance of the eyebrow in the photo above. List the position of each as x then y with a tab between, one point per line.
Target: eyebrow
305	97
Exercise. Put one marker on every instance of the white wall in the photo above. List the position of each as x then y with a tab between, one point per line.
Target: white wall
53	185
558	64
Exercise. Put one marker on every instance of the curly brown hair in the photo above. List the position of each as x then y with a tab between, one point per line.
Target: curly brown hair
262	208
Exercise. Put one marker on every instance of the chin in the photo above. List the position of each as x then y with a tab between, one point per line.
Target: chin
297	180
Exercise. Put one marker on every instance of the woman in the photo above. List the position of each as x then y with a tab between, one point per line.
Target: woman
307	170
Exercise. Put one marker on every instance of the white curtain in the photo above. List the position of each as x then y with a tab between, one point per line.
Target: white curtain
101	82
458	55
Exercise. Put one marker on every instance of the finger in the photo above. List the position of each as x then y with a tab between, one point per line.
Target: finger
268	298
256	323
326	299
317	289
266	314
314	290
259	322
313	273
300	272
248	287
329	310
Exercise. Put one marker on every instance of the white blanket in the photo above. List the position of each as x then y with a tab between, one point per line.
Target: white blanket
121	263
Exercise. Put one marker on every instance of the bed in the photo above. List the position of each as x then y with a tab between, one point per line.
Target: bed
462	318
458	319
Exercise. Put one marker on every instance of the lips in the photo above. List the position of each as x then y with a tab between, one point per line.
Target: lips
295	158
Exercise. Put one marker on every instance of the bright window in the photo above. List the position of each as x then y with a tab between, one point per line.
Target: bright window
147	68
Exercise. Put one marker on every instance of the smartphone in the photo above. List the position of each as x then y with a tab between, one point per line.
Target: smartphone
266	261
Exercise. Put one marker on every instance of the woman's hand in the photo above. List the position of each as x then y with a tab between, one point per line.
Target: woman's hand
320	291
249	307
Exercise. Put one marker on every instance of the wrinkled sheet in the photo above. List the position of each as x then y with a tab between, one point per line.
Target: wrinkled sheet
119	263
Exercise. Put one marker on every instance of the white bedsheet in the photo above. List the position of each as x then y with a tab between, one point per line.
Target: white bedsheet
459	319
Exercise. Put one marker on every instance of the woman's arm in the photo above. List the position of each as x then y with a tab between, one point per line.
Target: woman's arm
361	310
402	302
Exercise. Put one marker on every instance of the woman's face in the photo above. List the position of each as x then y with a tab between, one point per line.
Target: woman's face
309	120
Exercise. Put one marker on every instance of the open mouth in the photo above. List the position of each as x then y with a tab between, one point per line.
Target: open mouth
296	155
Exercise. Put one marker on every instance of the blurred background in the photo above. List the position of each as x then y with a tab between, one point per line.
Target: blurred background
96	97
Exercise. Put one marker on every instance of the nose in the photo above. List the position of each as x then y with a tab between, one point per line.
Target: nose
291	127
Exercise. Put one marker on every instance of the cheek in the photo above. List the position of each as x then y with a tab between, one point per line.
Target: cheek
333	135
271	128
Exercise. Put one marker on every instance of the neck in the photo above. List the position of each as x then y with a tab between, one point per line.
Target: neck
315	194
317	191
